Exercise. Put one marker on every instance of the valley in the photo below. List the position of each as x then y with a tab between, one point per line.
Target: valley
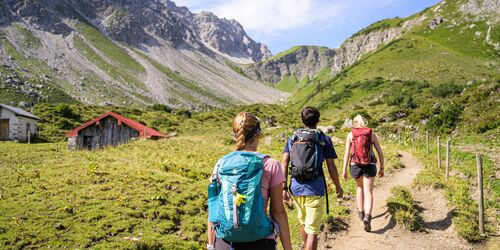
188	74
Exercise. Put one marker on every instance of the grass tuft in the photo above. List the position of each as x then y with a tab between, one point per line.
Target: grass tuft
403	209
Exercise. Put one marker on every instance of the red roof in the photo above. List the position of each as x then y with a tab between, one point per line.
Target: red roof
144	132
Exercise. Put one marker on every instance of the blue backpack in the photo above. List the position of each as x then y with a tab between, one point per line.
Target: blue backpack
237	212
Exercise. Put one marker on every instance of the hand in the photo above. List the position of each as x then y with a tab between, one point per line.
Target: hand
344	174
381	172
340	192
286	197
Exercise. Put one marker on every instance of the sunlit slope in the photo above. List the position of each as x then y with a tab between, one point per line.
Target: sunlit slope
420	75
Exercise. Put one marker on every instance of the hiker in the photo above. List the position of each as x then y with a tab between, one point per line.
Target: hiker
359	153
306	150
244	181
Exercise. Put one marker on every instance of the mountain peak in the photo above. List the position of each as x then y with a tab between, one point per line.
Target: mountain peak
126	52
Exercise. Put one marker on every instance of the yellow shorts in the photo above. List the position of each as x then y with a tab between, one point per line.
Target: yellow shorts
310	212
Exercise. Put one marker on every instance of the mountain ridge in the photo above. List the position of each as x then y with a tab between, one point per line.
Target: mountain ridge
280	68
88	50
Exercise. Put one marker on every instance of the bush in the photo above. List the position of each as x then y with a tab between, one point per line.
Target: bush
446	120
403	209
446	89
161	107
64	110
486	124
465	220
339	96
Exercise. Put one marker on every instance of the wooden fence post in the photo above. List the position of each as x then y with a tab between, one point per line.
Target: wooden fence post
427	142
439	152
479	162
447	159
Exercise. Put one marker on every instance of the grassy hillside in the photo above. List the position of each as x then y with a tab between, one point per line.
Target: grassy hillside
437	79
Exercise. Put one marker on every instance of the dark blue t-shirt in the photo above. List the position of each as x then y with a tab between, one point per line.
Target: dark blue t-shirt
314	187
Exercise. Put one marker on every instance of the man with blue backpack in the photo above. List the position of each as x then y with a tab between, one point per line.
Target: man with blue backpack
305	151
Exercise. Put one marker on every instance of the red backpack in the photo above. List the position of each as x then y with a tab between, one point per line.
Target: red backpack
362	154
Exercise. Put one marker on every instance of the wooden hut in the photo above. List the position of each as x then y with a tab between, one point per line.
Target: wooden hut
16	124
109	129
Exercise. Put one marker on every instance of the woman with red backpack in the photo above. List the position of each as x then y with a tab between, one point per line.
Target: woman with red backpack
359	153
243	185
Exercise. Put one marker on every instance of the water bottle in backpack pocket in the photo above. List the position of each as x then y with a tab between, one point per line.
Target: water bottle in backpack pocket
239	207
213	194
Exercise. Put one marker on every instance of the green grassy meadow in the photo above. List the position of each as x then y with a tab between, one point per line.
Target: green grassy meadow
152	194
143	195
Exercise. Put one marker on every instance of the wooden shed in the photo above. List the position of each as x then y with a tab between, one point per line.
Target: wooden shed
16	124
109	129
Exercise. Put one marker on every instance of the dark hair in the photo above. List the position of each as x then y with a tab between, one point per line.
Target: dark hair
310	116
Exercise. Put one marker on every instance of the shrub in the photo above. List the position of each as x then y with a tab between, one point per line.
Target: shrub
161	107
404	209
446	89
486	124
446	120
64	110
465	220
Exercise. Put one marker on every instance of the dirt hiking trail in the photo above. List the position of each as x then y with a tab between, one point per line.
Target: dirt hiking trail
438	232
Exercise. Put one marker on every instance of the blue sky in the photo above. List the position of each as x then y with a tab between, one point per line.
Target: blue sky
281	24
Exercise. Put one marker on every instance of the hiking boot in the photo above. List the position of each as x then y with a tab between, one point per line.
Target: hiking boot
367	222
361	215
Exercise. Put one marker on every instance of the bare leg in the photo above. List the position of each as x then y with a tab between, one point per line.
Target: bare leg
368	193
303	234
359	193
312	242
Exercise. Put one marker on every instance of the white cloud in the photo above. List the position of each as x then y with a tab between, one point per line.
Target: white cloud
268	16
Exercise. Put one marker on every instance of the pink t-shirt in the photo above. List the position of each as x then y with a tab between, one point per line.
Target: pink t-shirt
272	176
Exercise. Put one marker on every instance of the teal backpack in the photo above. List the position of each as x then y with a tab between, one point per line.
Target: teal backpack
237	212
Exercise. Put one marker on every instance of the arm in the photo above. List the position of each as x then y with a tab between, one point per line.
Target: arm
285	160
279	215
210	234
347	154
379	153
334	174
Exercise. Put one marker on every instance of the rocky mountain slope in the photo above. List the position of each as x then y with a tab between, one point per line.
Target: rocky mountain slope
125	53
438	69
301	61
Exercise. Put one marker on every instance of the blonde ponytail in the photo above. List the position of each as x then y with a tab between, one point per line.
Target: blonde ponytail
243	124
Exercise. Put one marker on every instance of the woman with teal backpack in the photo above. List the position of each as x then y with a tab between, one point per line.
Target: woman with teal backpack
243	183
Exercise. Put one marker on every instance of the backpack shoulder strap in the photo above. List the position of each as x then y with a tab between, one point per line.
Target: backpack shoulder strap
262	156
215	173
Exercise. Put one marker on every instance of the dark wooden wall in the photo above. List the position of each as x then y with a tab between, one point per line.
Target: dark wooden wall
107	133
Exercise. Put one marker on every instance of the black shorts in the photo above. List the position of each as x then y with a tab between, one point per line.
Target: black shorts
368	171
263	244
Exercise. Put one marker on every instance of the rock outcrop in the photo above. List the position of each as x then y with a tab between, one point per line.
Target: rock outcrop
137	22
309	60
229	38
300	61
